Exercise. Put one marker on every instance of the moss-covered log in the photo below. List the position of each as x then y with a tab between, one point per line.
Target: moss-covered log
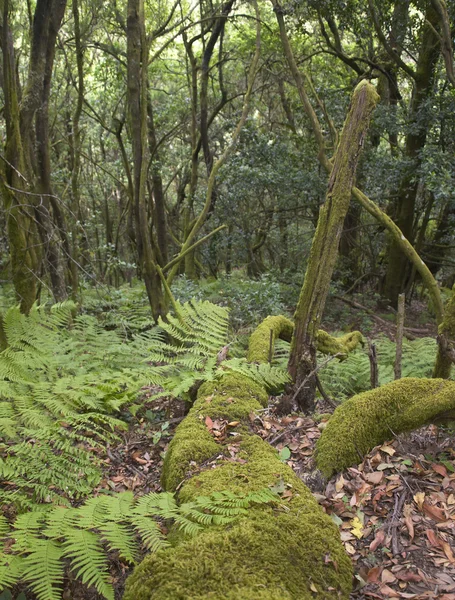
370	418
446	341
262	340
324	248
287	552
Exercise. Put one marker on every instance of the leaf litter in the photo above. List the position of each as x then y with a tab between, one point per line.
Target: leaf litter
395	510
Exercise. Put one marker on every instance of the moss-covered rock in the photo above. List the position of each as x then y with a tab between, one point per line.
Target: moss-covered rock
368	419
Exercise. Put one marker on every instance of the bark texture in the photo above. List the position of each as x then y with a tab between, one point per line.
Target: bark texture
324	249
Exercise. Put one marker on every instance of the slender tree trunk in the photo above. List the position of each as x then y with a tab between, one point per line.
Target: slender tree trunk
324	249
137	60
398	264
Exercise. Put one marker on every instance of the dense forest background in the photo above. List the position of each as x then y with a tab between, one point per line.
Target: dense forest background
83	115
227	302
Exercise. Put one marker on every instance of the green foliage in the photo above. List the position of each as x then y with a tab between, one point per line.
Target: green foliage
83	537
249	300
352	376
197	335
62	381
343	379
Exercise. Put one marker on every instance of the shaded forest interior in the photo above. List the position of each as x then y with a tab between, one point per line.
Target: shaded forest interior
227	302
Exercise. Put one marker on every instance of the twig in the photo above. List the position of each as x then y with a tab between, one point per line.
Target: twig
285	431
271	347
399	336
327	398
313	372
375	316
374	374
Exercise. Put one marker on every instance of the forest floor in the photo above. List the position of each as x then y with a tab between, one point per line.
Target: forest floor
395	509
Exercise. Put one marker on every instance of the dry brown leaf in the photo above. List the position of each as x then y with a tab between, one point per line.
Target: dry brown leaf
379	538
434	512
448	551
419	499
387	591
407	512
373	575
349	548
388	450
432	537
440	469
375	477
340	483
387	576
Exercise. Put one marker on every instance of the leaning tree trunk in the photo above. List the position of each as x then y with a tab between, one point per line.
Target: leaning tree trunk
324	249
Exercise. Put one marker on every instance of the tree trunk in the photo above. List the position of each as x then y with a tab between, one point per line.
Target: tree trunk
398	264
324	249
137	60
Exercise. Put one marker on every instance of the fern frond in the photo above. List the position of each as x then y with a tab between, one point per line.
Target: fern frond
88	560
42	569
120	537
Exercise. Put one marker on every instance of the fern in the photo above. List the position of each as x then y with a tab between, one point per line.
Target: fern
273	378
84	536
62	379
352	376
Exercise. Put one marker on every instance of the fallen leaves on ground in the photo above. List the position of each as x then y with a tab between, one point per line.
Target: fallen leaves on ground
395	511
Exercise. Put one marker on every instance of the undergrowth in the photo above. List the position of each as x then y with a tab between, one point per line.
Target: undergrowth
41	544
343	379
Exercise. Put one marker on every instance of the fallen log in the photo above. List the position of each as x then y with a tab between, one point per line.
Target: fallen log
290	551
370	418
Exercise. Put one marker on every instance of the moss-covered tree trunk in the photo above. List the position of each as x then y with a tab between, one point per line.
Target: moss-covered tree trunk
324	249
446	341
288	552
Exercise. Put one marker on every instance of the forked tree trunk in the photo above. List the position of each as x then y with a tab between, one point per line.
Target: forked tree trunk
324	249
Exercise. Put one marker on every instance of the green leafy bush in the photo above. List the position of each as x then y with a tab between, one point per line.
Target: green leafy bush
249	300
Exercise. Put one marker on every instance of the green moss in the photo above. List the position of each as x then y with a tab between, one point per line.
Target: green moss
268	554
273	552
261	468
233	397
328	344
271	327
368	419
192	443
281	327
